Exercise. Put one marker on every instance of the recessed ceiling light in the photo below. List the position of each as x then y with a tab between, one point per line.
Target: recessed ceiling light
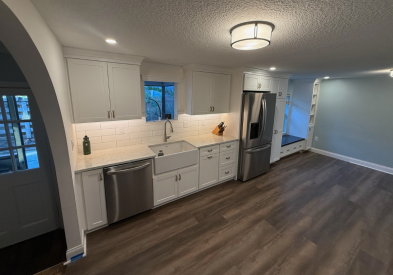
272	68
111	41
326	77
251	35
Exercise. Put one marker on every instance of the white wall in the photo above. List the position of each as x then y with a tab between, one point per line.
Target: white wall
40	57
300	108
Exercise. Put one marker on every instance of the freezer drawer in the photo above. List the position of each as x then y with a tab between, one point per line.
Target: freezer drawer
254	162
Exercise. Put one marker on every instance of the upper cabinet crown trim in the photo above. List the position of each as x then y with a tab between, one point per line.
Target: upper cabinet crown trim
207	68
102	56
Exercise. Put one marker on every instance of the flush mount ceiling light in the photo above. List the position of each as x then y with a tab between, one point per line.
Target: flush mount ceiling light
251	35
111	41
272	68
326	77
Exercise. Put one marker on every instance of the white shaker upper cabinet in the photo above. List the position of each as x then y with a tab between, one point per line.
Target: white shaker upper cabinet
207	93
202	86
125	91
89	90
257	83
221	93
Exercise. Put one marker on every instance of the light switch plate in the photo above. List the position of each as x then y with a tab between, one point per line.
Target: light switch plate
316	138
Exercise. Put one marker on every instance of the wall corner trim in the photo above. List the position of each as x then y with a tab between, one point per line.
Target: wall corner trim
385	169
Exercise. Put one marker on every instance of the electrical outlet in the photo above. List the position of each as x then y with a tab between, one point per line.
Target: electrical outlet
120	130
316	138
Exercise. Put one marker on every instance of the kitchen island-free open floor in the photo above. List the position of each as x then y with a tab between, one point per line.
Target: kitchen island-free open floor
310	214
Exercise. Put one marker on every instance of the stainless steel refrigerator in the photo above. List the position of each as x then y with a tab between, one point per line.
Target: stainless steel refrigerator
257	120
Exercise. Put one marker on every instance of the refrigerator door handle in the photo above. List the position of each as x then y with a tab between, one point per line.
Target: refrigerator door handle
264	115
261	120
258	150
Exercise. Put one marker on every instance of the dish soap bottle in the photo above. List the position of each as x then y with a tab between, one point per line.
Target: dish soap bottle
86	146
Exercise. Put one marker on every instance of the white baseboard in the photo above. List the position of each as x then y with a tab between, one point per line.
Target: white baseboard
77	250
367	164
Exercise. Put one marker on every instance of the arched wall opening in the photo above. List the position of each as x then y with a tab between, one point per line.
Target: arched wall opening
40	57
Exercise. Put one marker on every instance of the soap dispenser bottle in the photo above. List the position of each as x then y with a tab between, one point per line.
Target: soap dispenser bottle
86	146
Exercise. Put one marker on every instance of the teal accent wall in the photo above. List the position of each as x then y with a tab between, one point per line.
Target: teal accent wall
355	119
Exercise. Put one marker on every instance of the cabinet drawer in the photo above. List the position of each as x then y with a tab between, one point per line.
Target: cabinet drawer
297	146
228	146
209	150
227	157
226	172
285	150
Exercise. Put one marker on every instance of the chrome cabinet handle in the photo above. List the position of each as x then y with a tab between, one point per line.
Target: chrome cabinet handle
210	150
210	157
176	177
100	176
228	157
227	172
179	177
109	114
113	112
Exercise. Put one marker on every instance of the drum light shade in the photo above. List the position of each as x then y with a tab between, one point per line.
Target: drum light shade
251	35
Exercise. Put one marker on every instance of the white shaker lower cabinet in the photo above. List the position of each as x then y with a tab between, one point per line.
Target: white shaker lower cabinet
187	181
208	172
278	130
169	186
94	197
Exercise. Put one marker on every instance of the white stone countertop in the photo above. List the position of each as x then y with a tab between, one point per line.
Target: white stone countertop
119	155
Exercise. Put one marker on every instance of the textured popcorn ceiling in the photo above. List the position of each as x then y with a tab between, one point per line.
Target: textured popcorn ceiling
312	38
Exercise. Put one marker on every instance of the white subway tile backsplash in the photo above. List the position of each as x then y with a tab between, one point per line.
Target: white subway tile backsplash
128	142
88	126
114	124
152	127
115	137
97	133
80	134
113	134
134	129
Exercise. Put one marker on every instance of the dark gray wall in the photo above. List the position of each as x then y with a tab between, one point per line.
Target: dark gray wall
9	69
355	119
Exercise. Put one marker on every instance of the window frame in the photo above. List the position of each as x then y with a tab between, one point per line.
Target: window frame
162	109
285	129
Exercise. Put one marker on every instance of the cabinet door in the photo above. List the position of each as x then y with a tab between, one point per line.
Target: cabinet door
310	136
275	83
208	171
125	91
282	88
278	129
187	180
89	90
265	83
221	93
202	84
165	187
94	195
251	82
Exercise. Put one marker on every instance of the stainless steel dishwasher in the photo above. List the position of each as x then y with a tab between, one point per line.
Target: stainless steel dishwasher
128	189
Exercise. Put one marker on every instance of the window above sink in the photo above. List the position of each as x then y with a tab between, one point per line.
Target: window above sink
160	100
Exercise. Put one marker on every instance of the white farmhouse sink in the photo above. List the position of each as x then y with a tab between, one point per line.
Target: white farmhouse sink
177	154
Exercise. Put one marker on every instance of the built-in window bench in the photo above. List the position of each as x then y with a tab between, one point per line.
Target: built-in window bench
291	144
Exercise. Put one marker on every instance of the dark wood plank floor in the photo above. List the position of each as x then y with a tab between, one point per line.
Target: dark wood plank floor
34	255
310	214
